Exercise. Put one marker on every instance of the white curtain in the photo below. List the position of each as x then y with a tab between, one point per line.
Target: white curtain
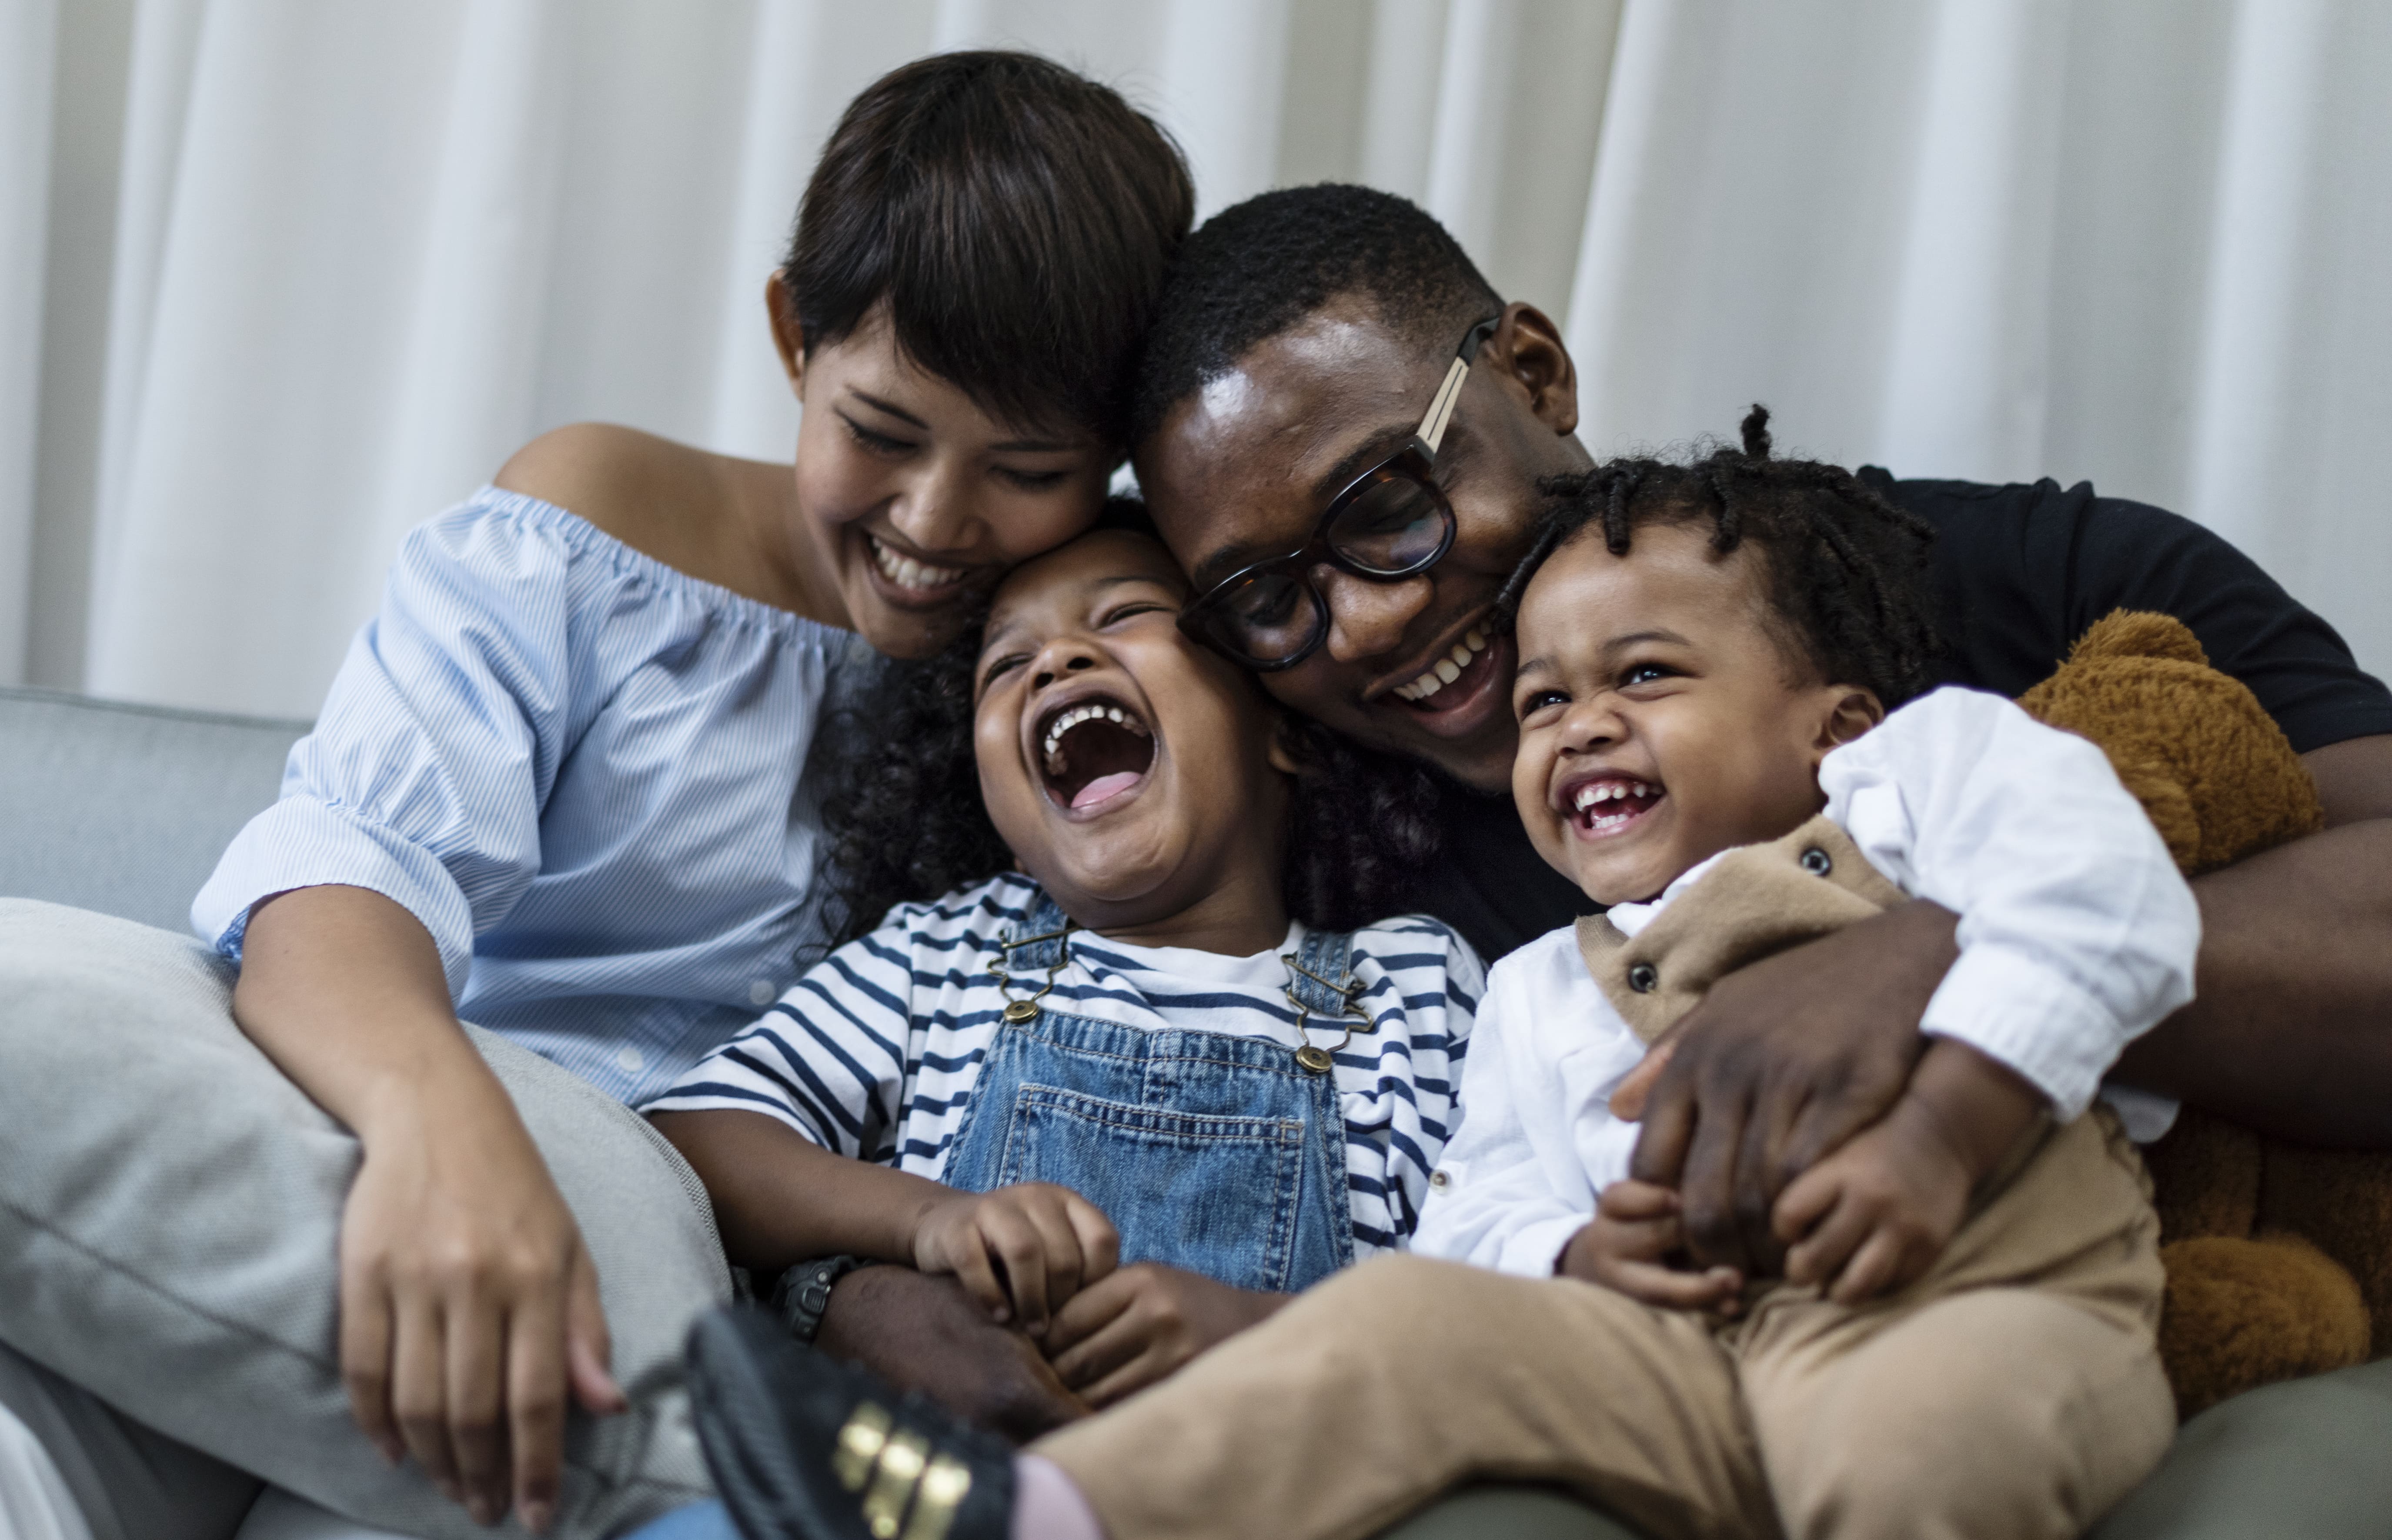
279	279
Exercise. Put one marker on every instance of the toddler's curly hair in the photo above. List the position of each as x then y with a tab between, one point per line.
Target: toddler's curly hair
1845	569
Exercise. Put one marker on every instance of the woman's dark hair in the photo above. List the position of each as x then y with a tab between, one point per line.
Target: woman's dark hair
1018	218
906	824
1845	569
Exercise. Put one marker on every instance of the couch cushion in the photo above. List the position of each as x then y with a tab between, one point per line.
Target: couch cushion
124	809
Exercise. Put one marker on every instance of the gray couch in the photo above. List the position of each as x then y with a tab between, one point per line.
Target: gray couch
124	809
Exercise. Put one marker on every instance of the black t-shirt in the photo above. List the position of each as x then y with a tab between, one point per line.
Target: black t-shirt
2019	573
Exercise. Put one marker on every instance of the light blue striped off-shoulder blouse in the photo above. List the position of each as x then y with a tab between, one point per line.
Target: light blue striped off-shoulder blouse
583	771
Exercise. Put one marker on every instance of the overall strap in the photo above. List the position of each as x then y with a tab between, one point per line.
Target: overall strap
1037	941
1320	980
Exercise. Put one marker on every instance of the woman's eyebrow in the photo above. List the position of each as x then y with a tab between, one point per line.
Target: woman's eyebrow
890	407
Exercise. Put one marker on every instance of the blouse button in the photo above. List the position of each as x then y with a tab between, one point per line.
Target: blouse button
760	991
631	1060
1438	1179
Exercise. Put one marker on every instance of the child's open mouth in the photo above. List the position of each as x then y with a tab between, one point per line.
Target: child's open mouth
1608	804
1093	750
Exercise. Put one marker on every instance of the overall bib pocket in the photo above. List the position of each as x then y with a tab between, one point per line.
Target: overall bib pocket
1212	1152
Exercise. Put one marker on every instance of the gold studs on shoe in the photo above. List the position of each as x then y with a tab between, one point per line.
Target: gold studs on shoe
859	1447
897	1470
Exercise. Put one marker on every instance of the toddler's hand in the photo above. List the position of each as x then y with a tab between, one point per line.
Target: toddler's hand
1142	1323
1874	1215
1020	1251
1634	1229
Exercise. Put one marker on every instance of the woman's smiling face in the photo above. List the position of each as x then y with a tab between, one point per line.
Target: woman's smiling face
913	497
1132	772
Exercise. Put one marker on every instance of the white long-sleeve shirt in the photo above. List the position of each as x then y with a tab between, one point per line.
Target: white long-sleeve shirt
2076	934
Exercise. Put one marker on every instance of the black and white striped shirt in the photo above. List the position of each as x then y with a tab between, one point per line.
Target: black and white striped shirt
875	1053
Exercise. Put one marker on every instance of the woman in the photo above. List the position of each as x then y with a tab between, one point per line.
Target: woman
558	786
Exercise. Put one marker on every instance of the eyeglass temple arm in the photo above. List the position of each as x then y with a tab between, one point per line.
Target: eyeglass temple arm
1440	410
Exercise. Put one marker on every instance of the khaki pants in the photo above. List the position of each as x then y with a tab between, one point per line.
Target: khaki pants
2013	1392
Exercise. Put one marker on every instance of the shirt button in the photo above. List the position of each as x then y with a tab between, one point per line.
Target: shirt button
760	991
632	1059
1438	1179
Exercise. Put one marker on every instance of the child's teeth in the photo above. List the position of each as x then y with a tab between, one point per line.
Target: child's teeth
1074	718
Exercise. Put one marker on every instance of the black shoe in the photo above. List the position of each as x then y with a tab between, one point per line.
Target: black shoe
804	1446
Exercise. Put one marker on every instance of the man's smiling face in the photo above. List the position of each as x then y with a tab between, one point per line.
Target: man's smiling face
1240	471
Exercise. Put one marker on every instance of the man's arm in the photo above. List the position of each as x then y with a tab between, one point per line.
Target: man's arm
2291	1031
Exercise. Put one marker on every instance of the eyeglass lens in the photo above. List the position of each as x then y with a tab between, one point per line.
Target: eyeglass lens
1391	529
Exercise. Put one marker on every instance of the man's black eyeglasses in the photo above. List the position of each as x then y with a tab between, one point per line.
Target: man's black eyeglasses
1390	523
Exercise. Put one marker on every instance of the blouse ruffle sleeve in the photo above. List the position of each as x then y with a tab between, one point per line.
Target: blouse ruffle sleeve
424	778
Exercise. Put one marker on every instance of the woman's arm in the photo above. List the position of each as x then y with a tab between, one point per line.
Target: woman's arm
468	1301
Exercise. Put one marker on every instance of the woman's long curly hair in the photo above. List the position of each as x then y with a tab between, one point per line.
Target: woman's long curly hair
906	824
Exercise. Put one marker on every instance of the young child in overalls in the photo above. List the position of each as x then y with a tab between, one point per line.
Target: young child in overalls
1159	1055
1964	1342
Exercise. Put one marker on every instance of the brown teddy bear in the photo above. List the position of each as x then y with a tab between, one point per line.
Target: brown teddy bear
2279	1257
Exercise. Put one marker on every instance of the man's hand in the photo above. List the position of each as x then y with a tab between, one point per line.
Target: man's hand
1873	1216
1048	1242
1627	1245
1132	1329
925	1334
1783	1061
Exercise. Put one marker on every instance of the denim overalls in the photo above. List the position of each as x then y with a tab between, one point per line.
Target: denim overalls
1221	1155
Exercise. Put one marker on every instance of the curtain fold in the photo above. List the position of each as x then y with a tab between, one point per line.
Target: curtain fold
279	279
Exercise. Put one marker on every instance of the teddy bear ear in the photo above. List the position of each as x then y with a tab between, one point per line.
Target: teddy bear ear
2139	634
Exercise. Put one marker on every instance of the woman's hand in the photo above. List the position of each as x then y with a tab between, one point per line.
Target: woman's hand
1020	1251
469	1303
469	1307
1627	1245
1137	1326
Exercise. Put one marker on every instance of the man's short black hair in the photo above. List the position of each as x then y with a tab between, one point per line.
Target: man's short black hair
1017	217
1263	267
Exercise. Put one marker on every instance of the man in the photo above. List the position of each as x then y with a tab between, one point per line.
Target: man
1302	432
1305	334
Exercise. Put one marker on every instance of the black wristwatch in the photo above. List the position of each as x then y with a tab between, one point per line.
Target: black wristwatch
803	1293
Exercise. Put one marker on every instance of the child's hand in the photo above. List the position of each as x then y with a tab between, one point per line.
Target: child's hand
1142	1323
1873	1216
1020	1251
1634	1228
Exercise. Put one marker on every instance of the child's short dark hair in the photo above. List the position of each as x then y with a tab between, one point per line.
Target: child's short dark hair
1845	569
1017	217
905	822
1262	266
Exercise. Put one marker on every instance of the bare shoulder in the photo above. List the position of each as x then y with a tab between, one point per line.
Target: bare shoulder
624	480
689	508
